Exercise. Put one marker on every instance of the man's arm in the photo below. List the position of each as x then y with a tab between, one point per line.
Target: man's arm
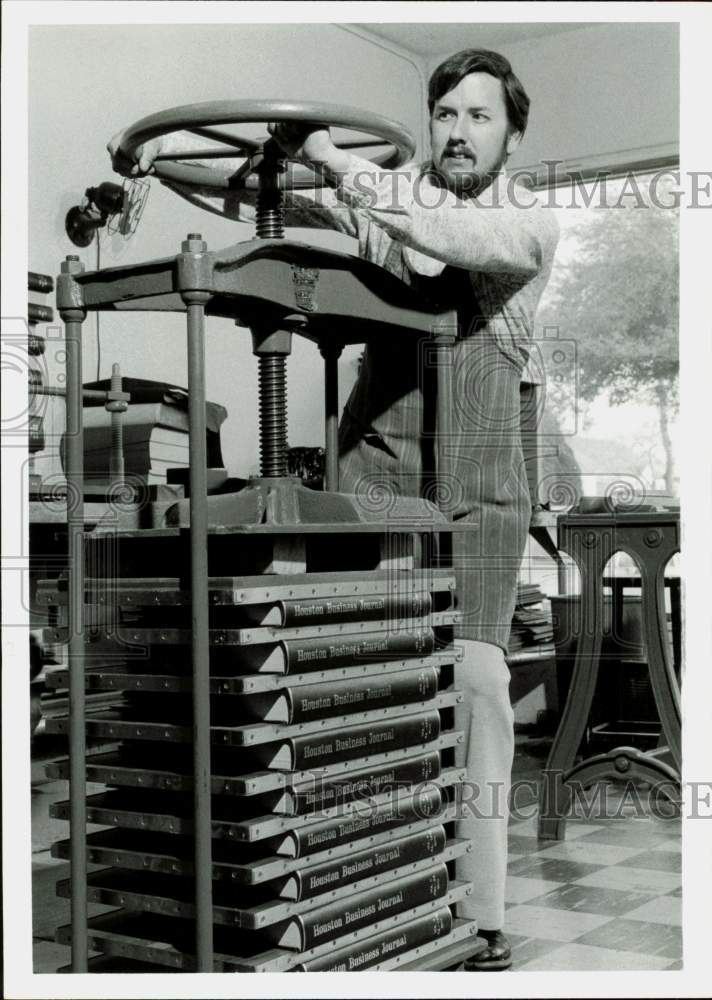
317	208
505	232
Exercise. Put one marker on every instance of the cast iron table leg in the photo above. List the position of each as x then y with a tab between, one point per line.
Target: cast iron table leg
651	540
591	552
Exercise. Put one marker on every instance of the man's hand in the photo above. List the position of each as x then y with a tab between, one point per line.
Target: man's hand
303	141
143	157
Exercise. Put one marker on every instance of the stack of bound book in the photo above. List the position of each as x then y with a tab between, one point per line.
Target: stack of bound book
38	313
155	440
333	771
532	631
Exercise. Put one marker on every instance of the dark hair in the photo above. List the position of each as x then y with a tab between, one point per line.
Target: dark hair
449	73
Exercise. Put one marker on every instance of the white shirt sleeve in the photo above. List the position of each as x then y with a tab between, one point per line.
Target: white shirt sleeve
506	230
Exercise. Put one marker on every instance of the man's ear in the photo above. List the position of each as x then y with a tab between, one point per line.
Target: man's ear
513	141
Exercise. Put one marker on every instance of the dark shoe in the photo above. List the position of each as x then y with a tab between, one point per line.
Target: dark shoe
495	956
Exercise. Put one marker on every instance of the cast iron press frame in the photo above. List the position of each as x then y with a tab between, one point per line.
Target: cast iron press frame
249	283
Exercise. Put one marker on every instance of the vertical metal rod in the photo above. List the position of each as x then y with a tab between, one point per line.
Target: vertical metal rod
116	455
331	354
444	341
200	636
73	319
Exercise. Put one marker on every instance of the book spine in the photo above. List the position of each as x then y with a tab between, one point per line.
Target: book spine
386	816
350	609
374	950
333	921
364	864
320	653
346	788
37	282
318	701
36	435
35	344
360	741
37	313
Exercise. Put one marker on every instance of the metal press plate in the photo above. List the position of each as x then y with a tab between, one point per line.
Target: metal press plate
111	769
156	939
166	813
230	591
389	528
156	895
176	677
138	849
114	725
128	635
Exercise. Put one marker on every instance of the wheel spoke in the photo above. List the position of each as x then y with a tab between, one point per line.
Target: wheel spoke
355	144
239	142
204	154
235	180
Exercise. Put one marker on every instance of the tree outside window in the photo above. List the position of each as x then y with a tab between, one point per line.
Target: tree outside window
613	294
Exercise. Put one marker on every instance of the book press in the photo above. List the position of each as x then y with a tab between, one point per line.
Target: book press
276	739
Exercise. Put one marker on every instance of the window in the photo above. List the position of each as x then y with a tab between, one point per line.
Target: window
607	335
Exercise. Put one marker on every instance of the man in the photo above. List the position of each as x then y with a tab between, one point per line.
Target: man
456	228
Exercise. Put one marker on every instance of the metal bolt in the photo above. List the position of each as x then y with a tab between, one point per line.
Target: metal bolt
71	265
194	244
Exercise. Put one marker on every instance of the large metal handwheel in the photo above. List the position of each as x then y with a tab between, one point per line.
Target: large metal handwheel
263	170
204	120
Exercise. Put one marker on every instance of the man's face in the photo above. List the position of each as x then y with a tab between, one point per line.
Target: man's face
470	135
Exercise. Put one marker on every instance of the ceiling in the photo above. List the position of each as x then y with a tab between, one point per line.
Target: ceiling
433	39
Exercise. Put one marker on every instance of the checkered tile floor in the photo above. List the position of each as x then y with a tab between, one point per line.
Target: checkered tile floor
607	897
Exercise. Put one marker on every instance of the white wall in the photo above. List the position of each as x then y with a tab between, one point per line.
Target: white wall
598	93
87	82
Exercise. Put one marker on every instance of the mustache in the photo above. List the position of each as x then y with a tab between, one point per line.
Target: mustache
460	149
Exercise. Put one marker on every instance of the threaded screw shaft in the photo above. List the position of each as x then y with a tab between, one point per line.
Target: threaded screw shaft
269	216
273	414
